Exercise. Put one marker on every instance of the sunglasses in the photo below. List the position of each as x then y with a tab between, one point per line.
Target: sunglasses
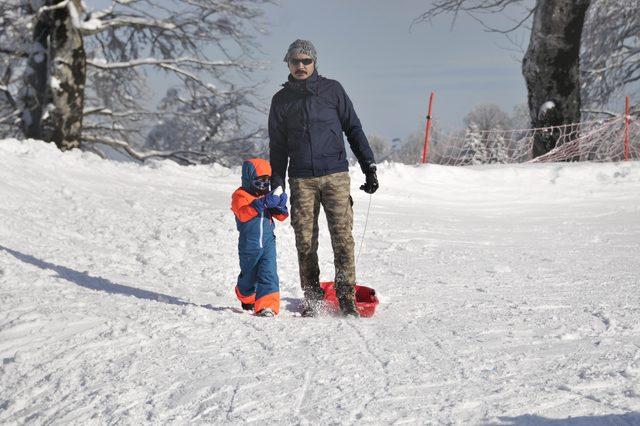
295	62
261	184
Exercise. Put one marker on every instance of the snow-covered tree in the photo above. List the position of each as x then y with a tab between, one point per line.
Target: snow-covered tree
484	138
409	150
499	149
475	146
380	146
204	129
604	32
14	41
75	76
487	116
610	56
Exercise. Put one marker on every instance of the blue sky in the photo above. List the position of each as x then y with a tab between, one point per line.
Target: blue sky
388	68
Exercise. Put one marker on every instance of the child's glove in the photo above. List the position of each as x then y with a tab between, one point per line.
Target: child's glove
267	202
259	205
283	200
281	207
271	201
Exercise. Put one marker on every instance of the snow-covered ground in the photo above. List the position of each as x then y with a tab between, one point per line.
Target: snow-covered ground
509	295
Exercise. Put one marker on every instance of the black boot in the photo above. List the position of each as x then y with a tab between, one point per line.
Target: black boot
247	306
348	307
346	294
309	311
313	300
312	308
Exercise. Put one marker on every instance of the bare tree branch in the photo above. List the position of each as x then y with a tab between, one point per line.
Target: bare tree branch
9	117
162	62
141	156
13	53
601	112
519	23
476	9
610	56
202	118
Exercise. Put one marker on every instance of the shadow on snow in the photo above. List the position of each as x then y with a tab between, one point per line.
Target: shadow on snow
83	279
604	420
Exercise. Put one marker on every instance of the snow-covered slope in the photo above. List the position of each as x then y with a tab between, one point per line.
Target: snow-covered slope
509	295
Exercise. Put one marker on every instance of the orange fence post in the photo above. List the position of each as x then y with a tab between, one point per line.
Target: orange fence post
627	119
425	150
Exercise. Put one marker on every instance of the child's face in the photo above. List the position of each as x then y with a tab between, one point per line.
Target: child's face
261	184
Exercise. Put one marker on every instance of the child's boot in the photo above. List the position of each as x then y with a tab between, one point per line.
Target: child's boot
266	312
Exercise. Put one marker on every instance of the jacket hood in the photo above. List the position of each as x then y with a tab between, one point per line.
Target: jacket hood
253	168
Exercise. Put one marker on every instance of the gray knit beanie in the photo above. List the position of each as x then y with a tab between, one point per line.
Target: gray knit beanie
301	46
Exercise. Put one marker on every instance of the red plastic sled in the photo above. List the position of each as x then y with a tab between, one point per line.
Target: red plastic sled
366	299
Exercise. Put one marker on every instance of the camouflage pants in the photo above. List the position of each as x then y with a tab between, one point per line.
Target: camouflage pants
333	193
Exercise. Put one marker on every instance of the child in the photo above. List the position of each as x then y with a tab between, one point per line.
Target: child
255	207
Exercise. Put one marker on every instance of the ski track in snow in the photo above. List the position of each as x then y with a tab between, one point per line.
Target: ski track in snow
509	295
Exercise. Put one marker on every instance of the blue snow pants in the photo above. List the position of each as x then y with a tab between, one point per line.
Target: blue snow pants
258	281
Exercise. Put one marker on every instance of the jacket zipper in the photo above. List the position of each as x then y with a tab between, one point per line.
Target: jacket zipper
307	129
261	232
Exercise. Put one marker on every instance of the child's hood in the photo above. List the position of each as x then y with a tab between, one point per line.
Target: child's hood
253	168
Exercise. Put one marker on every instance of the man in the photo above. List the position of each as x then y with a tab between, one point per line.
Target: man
306	121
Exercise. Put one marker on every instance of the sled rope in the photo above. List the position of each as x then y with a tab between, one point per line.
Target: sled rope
366	221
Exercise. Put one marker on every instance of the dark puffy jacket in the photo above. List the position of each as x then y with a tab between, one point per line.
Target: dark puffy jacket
306	122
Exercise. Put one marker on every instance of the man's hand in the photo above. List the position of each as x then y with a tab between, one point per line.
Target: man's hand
371	180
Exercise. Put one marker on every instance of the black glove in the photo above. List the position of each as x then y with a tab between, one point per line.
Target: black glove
371	183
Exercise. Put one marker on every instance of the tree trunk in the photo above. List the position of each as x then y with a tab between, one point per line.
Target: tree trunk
68	77
35	94
55	80
551	67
